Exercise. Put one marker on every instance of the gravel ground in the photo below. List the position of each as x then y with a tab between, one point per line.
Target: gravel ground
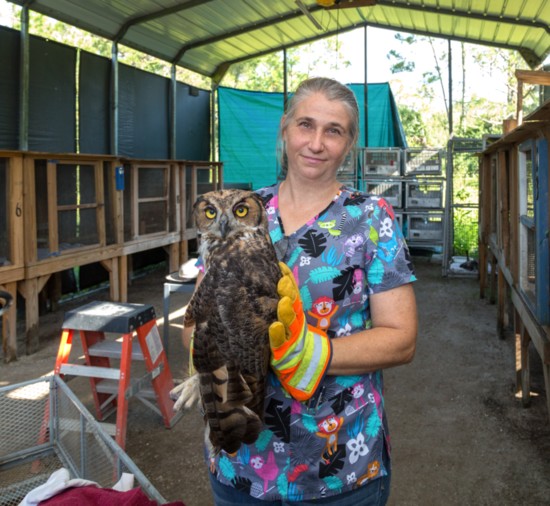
460	435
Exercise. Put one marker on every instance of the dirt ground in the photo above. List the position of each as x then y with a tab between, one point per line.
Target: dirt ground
460	435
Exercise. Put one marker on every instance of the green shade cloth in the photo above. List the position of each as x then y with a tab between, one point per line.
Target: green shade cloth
249	121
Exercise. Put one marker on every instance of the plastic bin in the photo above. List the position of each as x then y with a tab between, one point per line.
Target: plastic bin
44	428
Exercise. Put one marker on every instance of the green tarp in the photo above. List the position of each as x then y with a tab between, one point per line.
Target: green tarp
249	120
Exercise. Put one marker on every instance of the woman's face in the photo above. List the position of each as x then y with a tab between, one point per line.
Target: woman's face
317	138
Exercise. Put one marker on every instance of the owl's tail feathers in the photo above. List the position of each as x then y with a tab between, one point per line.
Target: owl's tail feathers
225	395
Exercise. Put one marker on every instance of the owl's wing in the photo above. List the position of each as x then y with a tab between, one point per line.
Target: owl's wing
232	398
232	309
237	305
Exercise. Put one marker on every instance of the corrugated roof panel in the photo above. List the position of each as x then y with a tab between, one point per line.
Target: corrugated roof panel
192	31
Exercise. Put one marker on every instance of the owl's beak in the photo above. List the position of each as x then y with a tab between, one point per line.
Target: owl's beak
224	228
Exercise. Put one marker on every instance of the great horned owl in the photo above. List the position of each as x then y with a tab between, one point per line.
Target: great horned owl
231	309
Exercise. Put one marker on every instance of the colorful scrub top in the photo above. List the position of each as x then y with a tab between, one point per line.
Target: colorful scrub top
334	442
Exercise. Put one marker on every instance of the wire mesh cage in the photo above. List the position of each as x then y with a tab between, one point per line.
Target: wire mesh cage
425	227
45	428
382	161
348	166
399	219
391	191
422	161
424	194
349	182
146	199
4	213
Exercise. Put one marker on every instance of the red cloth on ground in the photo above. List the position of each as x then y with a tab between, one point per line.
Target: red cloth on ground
94	496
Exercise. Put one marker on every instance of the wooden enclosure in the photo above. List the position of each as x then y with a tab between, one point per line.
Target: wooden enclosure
513	250
67	210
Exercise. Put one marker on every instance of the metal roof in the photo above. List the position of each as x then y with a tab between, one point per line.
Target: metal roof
207	36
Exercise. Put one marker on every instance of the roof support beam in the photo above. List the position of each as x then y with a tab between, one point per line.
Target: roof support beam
240	31
469	14
155	15
223	67
388	3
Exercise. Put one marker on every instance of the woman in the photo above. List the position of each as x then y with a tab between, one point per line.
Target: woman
347	311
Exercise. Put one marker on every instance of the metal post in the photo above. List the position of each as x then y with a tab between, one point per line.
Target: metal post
366	93
285	79
114	99
450	51
24	77
173	112
448	231
215	152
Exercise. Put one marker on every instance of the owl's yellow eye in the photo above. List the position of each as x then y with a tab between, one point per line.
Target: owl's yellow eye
241	211
210	213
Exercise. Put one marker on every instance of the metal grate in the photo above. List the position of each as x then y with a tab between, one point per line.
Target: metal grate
424	194
44	428
389	190
425	226
422	161
382	162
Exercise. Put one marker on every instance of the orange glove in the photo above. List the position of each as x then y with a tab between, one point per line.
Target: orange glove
300	353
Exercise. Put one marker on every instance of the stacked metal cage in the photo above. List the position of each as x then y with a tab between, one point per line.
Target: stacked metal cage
412	181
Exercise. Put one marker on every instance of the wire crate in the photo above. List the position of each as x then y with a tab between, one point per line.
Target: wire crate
349	182
425	227
399	219
426	194
391	191
45	428
348	167
422	161
382	162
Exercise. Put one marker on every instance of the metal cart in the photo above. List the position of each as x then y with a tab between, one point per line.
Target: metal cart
44	428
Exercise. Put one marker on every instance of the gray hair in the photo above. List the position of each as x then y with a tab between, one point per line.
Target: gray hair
334	91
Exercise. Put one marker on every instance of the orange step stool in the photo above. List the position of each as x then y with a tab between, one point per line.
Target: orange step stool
113	387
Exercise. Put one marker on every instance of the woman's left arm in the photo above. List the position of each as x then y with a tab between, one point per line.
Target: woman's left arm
391	341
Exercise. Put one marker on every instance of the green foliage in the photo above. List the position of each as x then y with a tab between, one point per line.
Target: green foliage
398	63
266	73
58	31
465	200
465	232
413	124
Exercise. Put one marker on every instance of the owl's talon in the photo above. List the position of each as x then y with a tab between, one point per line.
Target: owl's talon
186	394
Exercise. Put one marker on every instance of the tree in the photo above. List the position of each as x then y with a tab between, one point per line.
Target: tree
58	31
266	73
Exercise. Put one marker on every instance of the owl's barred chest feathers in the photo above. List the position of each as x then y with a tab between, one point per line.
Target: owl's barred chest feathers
232	309
246	244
